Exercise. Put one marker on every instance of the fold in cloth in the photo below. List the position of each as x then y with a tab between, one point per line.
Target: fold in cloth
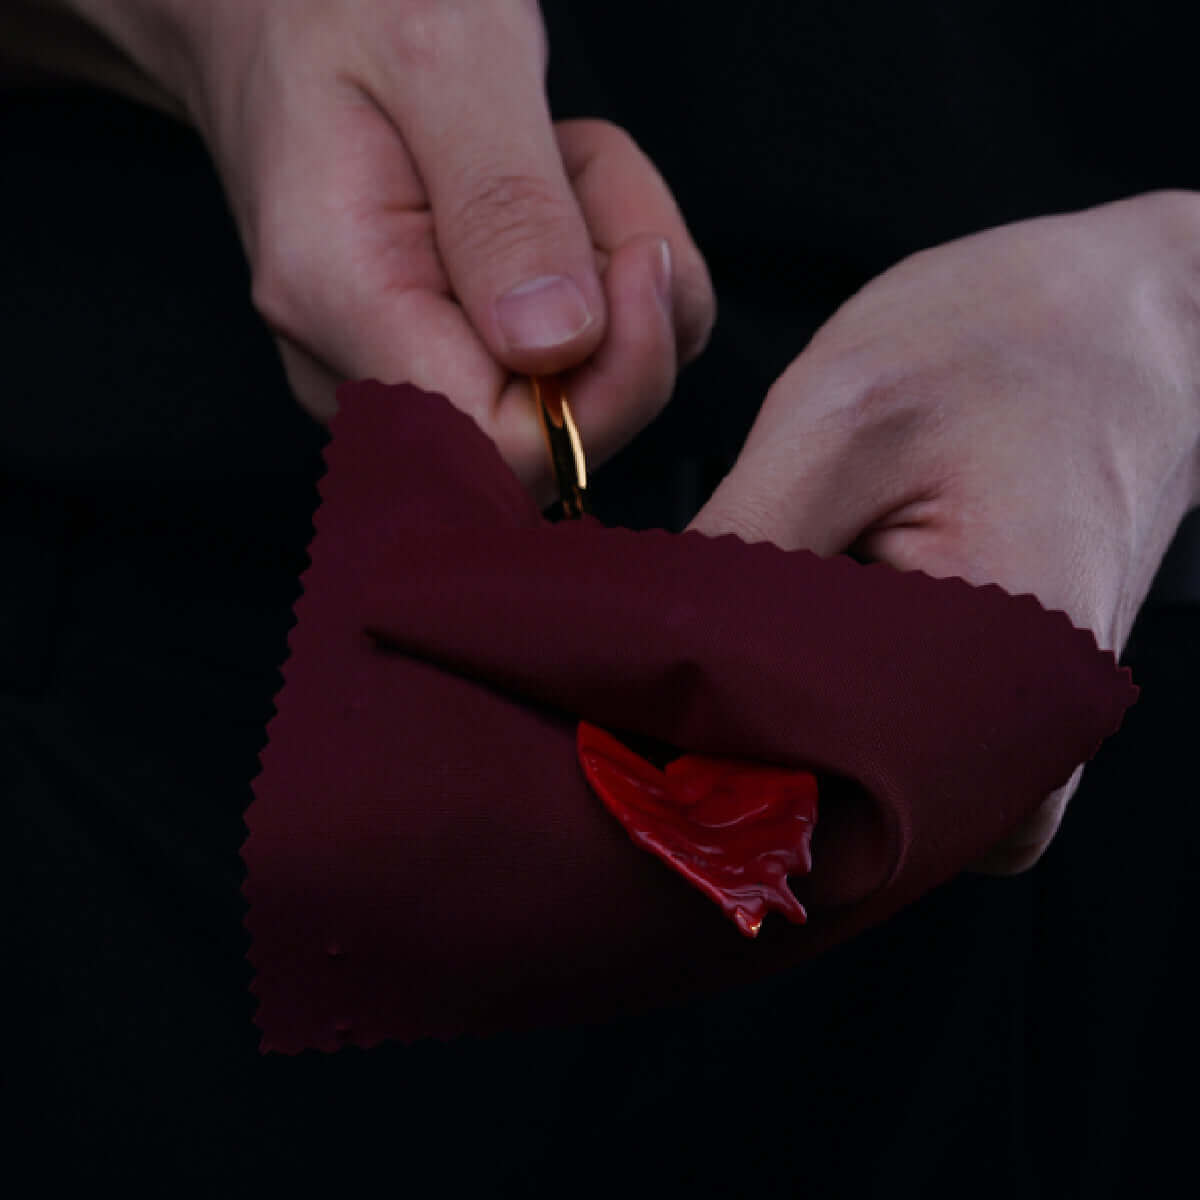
425	856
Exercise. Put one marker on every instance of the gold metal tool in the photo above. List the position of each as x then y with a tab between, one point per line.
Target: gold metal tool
562	440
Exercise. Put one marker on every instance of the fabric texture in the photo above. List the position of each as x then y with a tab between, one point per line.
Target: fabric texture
448	640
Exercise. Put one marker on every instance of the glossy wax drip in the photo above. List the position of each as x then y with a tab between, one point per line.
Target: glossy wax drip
736	830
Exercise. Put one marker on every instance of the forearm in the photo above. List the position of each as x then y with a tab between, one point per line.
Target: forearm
1180	212
49	42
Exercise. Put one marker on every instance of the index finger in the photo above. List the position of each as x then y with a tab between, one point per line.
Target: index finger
622	194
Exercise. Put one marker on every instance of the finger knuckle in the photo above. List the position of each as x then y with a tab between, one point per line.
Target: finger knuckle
271	298
596	139
276	290
508	212
430	37
611	136
697	308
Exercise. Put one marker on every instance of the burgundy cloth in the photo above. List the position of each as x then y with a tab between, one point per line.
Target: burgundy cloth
425	857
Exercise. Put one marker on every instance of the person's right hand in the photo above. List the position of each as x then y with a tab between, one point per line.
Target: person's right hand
401	191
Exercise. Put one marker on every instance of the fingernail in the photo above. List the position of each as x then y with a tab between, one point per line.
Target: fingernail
541	313
662	274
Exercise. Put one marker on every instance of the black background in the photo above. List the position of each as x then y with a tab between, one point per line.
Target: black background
1017	1037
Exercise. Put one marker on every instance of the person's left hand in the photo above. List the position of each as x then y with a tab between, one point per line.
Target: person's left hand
1019	407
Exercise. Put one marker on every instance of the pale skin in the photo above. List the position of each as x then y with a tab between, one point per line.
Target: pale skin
1020	407
393	170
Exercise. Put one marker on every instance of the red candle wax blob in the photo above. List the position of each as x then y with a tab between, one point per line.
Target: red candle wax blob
735	829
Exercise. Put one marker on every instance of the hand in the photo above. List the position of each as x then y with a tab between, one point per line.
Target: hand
1020	407
394	173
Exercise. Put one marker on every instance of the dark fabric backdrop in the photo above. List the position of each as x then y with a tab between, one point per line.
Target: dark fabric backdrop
1017	1037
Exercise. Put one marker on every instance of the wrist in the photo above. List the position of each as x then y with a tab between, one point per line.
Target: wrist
1177	212
1189	254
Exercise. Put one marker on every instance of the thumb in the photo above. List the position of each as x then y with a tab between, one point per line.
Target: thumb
509	230
818	473
795	485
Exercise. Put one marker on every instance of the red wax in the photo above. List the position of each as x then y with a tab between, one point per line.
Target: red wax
735	829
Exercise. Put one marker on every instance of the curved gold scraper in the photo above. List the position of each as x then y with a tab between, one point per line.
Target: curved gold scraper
562	440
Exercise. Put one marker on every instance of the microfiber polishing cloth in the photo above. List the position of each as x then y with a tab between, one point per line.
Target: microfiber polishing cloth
425	855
